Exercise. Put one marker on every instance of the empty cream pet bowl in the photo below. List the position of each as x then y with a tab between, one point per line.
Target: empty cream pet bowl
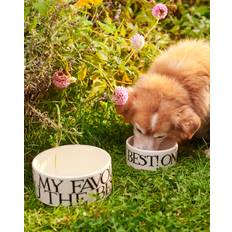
68	174
148	159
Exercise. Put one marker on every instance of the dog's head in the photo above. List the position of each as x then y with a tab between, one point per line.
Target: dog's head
159	109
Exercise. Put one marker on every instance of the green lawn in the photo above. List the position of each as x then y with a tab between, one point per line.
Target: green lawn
175	199
94	47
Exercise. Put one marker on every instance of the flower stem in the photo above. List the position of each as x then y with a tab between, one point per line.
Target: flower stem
129	57
152	28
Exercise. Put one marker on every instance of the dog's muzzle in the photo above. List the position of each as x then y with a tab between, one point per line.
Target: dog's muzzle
146	142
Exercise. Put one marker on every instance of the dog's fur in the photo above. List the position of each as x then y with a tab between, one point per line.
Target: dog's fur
171	100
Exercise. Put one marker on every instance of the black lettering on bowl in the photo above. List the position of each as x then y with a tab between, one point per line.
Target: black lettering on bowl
150	160
100	186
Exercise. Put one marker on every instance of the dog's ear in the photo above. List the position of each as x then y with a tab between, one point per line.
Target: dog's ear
187	121
126	110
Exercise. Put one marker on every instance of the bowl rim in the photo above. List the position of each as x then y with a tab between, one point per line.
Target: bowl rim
69	177
155	152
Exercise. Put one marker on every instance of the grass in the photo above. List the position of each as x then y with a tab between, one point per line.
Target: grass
173	199
176	199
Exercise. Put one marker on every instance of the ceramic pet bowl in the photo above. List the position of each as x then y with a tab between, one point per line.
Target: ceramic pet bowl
150	159
68	174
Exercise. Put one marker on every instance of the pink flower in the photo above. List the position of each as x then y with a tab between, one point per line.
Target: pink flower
62	79
120	96
160	11
137	41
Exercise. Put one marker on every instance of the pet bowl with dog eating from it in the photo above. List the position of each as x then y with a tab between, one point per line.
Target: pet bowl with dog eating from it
150	159
68	174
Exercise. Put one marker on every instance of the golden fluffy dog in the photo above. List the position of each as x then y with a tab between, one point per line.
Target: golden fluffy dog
171	100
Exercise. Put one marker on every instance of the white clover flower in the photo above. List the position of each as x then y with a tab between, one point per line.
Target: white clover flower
137	41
